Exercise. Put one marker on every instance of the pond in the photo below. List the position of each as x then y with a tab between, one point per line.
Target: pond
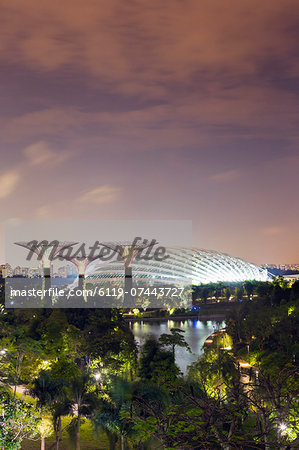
196	332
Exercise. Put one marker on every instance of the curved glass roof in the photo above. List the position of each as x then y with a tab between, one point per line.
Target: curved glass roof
197	265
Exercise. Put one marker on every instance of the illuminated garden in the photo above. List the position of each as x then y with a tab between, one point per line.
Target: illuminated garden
76	378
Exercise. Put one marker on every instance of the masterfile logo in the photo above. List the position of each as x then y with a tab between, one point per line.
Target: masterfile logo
121	264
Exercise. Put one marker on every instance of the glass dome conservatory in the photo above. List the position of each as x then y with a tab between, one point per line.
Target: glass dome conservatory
196	265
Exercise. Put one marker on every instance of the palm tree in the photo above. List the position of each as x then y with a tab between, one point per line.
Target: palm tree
127	402
110	417
59	409
108	420
84	401
50	393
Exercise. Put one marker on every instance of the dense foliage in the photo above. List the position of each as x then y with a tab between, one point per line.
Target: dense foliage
17	421
241	394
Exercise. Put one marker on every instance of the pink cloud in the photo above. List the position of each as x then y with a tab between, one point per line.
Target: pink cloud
224	177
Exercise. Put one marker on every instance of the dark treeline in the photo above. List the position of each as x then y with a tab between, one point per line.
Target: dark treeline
275	291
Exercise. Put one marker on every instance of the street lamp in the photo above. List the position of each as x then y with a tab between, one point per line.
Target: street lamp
282	427
257	376
97	377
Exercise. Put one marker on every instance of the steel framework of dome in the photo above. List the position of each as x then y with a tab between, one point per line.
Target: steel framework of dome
196	265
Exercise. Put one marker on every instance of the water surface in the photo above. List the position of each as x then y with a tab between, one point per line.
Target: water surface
196	332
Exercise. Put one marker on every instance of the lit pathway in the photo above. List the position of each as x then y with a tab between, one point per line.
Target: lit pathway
245	367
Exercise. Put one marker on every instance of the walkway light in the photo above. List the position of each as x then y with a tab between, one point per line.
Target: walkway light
282	427
98	377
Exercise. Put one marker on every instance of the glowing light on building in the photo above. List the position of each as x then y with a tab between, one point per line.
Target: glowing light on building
197	265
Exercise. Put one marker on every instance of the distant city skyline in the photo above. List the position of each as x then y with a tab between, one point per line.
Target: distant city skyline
281	266
71	270
154	110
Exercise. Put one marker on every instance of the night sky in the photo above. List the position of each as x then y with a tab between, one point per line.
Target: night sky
155	109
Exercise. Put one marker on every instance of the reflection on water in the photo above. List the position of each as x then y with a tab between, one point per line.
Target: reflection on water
196	332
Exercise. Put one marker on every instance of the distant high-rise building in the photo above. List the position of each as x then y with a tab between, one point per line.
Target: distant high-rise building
284	267
24	271
34	272
17	271
6	270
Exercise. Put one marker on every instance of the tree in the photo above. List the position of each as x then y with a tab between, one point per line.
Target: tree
234	323
295	290
239	292
147	411
111	416
174	339
274	402
82	398
215	370
45	429
218	287
227	292
263	290
44	390
59	408
156	364
190	419
249	288
51	394
108	420
18	421
260	414
19	350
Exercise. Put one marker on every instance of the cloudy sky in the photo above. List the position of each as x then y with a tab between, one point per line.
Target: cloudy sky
150	109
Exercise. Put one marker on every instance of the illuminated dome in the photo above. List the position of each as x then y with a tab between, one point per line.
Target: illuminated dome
197	265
